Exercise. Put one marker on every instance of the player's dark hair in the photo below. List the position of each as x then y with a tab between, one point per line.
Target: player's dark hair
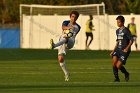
121	18
74	12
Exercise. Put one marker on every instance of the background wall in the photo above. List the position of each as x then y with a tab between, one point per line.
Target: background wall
38	30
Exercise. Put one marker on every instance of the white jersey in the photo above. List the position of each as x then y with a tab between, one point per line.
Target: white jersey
75	30
71	41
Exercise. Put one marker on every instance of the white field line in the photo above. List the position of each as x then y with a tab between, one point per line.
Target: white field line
74	82
46	73
89	68
41	73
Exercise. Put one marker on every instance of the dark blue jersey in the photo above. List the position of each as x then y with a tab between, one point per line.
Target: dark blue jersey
123	37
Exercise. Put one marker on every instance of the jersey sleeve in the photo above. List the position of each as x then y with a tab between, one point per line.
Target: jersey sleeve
76	30
128	26
129	35
65	23
90	25
116	35
79	27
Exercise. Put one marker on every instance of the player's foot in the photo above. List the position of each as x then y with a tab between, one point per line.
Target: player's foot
127	77
66	77
51	44
117	80
87	48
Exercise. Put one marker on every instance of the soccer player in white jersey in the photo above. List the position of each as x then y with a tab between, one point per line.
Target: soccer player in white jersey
67	39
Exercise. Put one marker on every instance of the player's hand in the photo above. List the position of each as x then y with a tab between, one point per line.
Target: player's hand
125	50
111	53
70	27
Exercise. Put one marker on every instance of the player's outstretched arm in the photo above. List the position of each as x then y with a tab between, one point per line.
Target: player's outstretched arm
67	27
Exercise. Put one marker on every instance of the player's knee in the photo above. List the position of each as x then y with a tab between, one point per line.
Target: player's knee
113	64
118	66
114	61
60	59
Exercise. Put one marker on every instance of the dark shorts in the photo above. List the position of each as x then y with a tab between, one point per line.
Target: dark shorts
122	56
89	34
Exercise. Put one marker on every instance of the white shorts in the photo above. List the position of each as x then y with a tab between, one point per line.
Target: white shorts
134	38
68	45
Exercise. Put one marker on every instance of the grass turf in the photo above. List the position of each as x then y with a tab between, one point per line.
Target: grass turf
37	71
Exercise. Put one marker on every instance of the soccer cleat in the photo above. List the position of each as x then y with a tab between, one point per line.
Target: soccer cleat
117	80
127	77
66	77
51	44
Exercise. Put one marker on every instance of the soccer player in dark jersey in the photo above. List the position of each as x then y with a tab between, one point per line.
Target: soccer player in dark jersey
122	49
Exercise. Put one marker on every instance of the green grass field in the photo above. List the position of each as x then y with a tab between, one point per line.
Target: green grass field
37	71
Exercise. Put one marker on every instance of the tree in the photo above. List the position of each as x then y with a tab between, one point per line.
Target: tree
9	9
4	11
133	6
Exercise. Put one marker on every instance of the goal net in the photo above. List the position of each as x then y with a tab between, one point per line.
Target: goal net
40	23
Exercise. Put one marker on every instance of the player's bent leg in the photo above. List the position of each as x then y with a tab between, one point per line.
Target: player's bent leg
135	41
136	45
70	43
114	61
115	69
86	46
61	42
127	75
123	70
119	64
63	66
90	40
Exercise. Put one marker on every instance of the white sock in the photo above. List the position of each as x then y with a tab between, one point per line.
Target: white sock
61	42
63	66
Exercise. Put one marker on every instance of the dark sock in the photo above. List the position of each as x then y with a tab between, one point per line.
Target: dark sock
136	46
123	70
115	71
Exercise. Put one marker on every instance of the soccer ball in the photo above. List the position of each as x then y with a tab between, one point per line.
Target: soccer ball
68	33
